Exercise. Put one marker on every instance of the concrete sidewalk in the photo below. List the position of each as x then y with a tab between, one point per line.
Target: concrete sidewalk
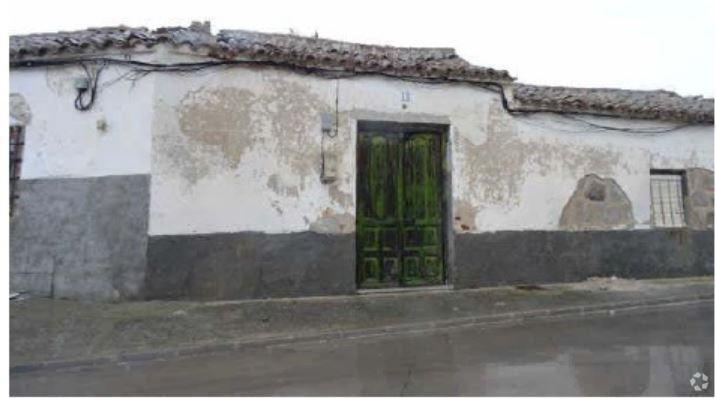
57	333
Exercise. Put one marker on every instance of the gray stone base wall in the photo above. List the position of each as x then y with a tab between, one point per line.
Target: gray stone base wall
80	237
87	238
516	257
248	265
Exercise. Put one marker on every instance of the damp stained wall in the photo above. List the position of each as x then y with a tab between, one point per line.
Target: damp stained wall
238	149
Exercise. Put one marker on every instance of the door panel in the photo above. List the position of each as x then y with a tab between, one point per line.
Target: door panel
422	215
378	210
399	223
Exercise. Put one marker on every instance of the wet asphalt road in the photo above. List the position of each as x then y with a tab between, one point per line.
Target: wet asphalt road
644	352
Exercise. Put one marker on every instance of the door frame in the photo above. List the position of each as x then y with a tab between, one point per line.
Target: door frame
443	130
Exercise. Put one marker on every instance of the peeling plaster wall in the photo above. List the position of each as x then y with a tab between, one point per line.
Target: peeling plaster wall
239	150
523	172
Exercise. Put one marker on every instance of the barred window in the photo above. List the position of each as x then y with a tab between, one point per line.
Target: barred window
17	142
667	199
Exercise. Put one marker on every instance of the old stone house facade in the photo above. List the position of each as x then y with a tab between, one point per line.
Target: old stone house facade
175	163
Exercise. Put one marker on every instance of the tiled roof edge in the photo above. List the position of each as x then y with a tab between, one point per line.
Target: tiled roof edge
638	104
282	49
332	55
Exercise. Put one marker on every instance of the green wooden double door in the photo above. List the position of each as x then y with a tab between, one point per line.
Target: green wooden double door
400	209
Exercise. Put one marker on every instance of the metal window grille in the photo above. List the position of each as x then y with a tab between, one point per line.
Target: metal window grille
17	142
667	200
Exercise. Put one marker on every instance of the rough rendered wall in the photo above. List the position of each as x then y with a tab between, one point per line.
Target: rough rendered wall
235	206
520	172
254	134
80	225
237	156
700	198
238	149
236	160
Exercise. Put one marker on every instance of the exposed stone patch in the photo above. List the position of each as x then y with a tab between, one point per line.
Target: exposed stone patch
596	191
699	201
19	109
597	203
332	223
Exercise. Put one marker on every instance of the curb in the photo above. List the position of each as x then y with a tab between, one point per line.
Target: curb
486	320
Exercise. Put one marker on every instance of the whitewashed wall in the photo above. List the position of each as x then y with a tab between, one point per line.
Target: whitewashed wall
238	149
64	142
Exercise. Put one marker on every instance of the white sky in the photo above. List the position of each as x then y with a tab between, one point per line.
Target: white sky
638	44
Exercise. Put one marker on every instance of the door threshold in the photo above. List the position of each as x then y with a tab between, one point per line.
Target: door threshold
398	290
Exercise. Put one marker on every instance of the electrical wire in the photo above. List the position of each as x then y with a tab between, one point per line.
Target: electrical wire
92	80
626	129
140	69
335	129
